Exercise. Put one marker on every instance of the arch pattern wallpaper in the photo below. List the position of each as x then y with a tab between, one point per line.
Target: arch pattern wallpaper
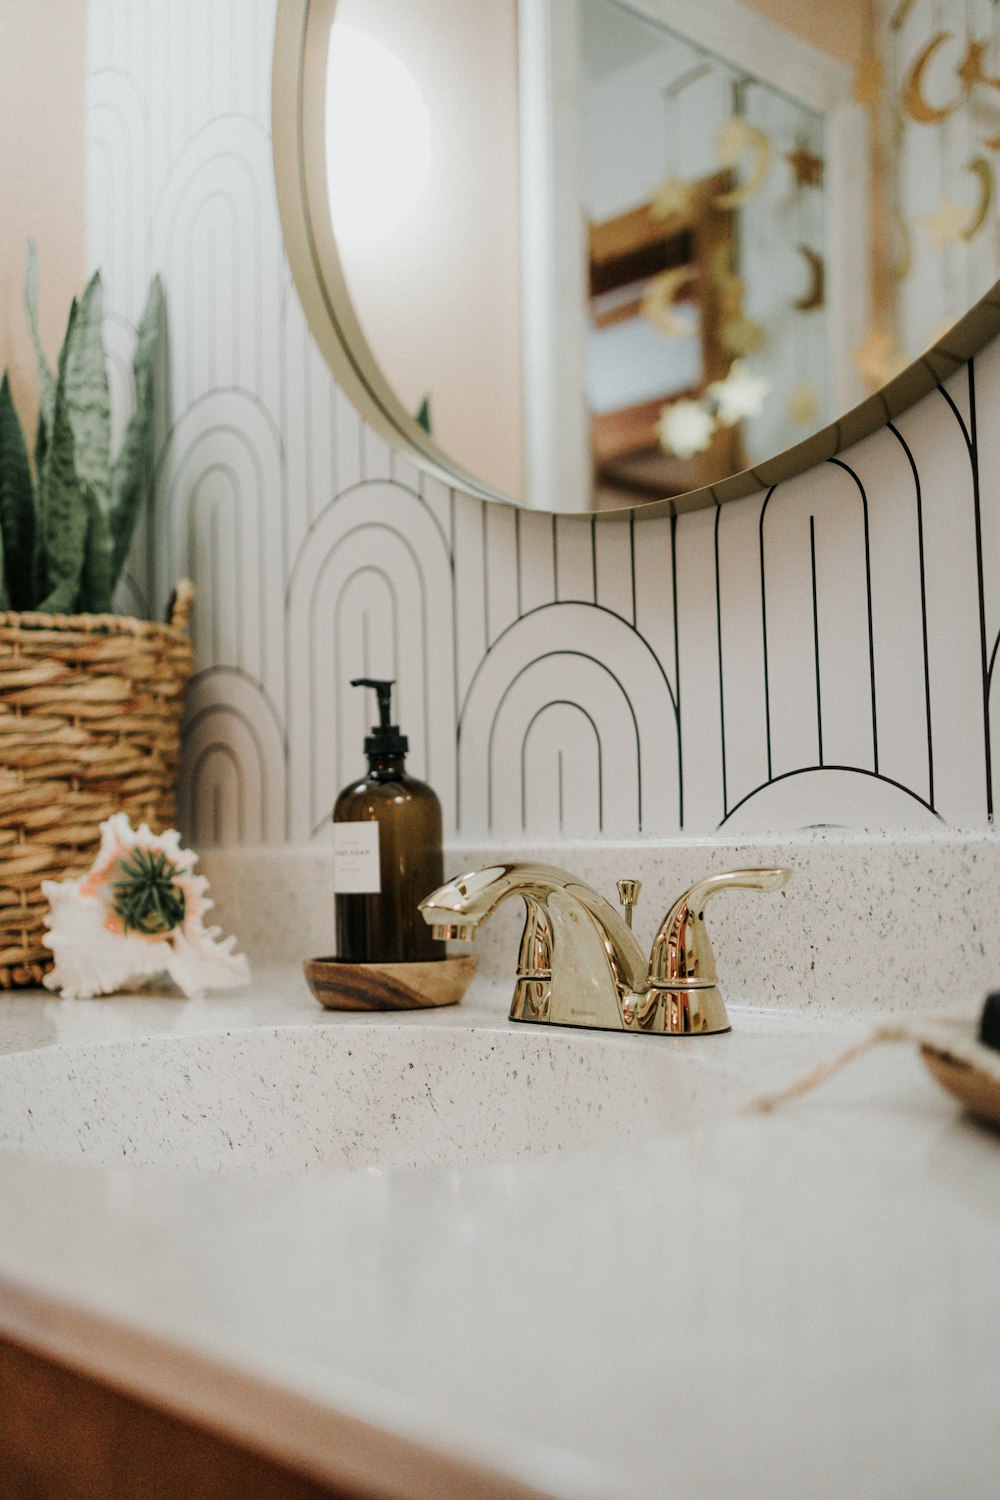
822	653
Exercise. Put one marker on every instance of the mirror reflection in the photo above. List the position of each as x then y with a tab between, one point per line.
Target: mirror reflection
606	253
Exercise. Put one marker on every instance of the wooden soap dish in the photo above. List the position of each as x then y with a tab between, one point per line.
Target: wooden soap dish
344	986
977	1086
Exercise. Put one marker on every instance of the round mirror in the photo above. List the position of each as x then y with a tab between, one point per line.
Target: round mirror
586	255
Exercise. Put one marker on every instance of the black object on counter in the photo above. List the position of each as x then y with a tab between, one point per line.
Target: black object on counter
989	1025
387	852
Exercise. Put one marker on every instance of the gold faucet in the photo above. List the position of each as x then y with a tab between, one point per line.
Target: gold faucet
579	963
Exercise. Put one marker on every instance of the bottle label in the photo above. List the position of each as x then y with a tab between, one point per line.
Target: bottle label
356	859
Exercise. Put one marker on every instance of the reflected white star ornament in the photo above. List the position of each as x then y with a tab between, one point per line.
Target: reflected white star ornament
740	395
685	428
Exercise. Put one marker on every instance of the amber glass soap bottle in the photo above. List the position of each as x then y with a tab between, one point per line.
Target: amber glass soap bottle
386	852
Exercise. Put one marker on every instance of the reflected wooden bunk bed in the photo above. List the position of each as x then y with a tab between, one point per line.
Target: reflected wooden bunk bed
626	256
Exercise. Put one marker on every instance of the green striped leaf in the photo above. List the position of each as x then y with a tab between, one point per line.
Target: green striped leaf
131	472
46	379
96	580
62	511
4	600
17	506
88	400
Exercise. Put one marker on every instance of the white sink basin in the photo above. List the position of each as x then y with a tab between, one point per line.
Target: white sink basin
295	1098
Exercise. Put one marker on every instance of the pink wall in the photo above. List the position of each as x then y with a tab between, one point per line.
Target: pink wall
41	177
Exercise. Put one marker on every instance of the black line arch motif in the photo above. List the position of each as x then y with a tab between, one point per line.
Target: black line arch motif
484	599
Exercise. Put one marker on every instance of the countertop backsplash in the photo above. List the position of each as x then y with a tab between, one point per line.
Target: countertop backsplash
887	923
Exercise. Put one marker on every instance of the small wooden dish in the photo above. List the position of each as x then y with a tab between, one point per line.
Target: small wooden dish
344	986
977	1088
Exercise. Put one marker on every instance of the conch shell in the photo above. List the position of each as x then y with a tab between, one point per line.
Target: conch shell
137	913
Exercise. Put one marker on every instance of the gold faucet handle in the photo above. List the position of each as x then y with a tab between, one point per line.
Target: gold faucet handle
682	950
628	895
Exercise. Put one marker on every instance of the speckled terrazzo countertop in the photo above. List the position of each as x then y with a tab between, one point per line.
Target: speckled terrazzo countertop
450	1257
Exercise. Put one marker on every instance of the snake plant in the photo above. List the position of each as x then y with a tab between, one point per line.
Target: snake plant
66	521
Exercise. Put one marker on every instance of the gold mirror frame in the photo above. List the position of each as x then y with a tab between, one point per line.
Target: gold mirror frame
298	99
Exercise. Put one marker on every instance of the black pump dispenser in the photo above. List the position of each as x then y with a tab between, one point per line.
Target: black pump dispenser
385	738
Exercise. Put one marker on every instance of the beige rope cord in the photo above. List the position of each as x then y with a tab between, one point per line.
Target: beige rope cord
90	725
950	1048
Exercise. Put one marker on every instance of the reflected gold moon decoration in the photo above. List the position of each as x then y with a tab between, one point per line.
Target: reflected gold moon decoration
914	102
735	138
658	303
814	296
982	170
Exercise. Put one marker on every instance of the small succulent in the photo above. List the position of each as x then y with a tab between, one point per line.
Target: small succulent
148	896
66	522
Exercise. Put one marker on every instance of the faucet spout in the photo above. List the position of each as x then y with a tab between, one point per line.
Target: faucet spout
578	961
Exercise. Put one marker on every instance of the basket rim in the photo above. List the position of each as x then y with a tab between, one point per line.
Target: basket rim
108	624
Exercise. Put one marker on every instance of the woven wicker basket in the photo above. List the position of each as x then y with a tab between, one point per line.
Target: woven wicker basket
90	725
